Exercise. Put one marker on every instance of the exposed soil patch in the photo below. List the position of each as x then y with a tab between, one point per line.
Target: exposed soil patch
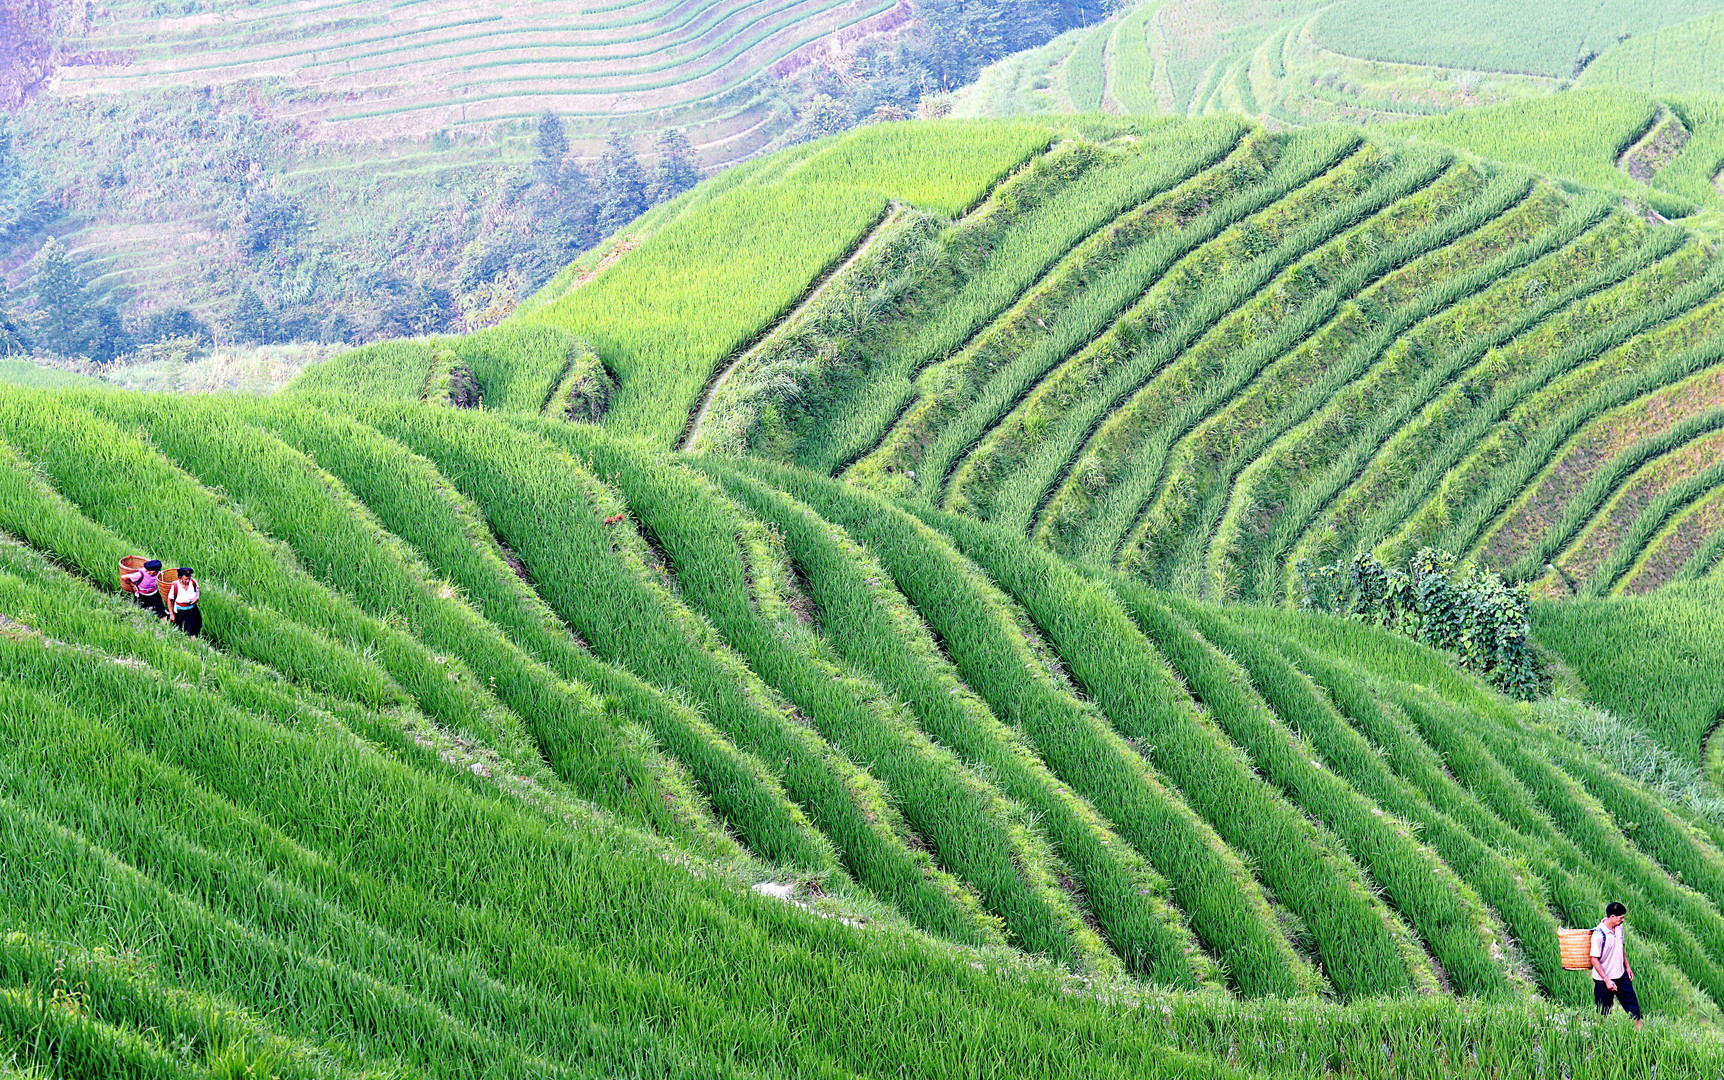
1608	436
1668	558
1601	539
464	389
1657	149
616	251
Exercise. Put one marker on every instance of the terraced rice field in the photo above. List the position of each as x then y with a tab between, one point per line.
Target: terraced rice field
506	669
1201	353
1485	80
365	70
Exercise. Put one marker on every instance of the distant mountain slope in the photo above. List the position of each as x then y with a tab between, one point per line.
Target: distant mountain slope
1195	350
504	714
357	170
1306	62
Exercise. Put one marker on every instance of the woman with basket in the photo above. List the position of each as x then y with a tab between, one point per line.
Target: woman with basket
143	583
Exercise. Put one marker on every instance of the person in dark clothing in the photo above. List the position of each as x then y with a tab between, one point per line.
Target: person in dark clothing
183	595
1612	975
145	588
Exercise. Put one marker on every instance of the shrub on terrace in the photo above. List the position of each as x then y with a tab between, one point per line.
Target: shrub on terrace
1437	600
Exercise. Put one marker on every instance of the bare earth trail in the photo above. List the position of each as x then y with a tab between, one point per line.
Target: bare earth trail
893	210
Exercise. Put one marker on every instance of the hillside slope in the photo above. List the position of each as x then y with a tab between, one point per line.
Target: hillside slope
502	716
1194	351
370	170
1502	74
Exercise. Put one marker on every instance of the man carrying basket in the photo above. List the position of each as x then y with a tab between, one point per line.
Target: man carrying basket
1612	976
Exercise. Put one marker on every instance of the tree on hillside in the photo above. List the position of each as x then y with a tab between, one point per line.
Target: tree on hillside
622	185
173	322
68	321
14	335
253	322
677	169
825	115
553	141
62	311
563	196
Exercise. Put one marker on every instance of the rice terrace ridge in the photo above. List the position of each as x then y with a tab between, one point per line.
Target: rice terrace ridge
1152	561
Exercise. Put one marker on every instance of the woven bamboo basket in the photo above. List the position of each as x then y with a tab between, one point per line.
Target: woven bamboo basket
1576	949
127	565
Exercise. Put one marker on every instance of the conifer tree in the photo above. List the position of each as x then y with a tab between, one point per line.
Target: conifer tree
14	335
677	169
63	312
252	321
623	185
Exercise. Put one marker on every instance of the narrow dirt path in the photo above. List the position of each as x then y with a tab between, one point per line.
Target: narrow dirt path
893	211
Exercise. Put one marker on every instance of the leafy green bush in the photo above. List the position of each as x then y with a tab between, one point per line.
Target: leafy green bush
1462	608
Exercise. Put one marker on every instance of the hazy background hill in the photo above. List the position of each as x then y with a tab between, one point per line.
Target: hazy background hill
343	172
1502	77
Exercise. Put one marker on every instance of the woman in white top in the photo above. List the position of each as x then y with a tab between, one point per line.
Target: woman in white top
182	601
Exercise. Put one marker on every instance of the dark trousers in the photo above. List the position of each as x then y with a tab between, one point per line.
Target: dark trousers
153	604
190	620
1603	996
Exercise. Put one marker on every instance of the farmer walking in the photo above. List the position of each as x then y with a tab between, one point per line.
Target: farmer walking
1612	977
183	596
145	587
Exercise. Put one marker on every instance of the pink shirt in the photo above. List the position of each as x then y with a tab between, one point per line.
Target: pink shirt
145	580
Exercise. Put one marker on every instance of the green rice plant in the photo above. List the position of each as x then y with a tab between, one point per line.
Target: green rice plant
762	935
648	315
1396	304
519	366
960	816
1213	353
1226	442
873	626
1577	885
1646	524
1140	694
1573	811
1456	421
1543	38
634	623
34	511
1539	247
1454	512
1577	135
122	483
1674	59
1323	704
1225	907
1519	502
968	394
1652	659
1066	516
1223	450
1462	775
1034	220
1601	483
946	389
351	553
415	502
1694	173
1131	67
1455	924
386	371
1006	477
1085	71
517	477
